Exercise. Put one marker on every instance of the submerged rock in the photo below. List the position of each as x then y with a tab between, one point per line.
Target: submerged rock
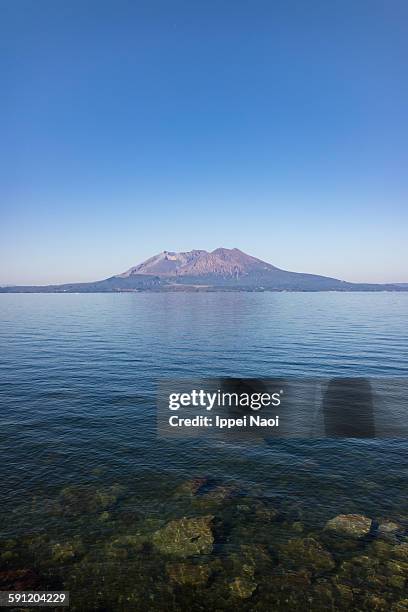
19	580
266	513
81	499
285	591
308	554
119	547
186	536
254	554
8	555
388	530
349	525
397	573
247	559
343	593
400	551
321	595
63	552
216	496
400	606
244	585
364	572
376	603
189	488
188	573
8	552
380	549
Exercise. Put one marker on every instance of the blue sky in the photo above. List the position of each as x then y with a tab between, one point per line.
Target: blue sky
279	127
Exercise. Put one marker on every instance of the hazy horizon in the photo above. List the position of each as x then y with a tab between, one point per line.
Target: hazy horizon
172	250
276	127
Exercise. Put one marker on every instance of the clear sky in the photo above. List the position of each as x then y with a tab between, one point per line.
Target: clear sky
131	127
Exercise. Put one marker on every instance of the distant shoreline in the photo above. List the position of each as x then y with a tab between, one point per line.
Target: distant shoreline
190	289
221	270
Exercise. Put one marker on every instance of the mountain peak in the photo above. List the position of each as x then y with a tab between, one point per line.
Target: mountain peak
220	262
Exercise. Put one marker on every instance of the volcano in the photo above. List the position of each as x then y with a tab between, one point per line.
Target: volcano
223	263
198	270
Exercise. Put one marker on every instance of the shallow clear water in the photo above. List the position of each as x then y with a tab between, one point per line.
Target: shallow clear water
81	466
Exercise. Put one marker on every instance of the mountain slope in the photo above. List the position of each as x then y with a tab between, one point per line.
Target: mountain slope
222	270
231	268
221	262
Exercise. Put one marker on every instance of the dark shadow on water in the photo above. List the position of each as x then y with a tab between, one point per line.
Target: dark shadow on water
348	409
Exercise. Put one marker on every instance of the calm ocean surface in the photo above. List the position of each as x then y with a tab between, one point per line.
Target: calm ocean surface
77	393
